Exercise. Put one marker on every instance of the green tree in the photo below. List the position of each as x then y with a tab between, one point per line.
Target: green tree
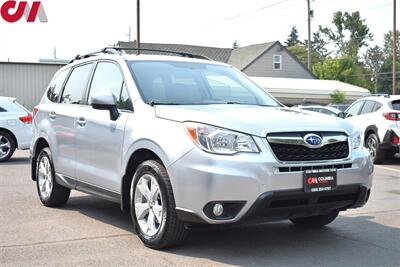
385	79
300	51
293	38
343	69
388	44
319	45
373	60
350	34
338	97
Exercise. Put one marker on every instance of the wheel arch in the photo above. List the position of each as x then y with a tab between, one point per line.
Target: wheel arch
369	130
146	151
40	143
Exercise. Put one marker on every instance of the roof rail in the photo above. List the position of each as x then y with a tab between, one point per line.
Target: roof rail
119	50
384	95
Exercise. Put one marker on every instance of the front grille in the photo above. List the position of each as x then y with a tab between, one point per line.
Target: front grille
291	151
324	167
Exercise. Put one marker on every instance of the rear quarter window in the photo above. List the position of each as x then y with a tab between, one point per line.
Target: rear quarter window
395	105
54	91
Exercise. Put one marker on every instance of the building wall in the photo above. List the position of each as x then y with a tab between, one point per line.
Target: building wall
291	68
26	81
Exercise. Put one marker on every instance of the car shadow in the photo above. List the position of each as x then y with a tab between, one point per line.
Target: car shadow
348	241
16	161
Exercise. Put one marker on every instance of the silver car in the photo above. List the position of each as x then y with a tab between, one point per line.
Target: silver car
181	140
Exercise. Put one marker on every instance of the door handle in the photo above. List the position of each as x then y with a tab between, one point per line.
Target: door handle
52	115
81	121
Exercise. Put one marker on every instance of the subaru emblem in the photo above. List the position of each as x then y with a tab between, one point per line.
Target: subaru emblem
313	140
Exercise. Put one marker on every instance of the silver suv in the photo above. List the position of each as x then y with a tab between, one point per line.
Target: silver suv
181	140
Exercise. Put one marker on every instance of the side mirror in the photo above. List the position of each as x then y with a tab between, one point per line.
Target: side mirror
105	100
341	115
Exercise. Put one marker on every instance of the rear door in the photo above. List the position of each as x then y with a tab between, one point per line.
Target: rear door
99	139
63	119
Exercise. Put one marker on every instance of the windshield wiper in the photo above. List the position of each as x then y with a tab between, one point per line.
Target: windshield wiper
155	103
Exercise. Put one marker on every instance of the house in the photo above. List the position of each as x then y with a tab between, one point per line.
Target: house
260	60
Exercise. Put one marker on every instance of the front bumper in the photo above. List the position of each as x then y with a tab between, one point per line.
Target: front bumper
199	178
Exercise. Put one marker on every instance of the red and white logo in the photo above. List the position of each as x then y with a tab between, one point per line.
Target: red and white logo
13	11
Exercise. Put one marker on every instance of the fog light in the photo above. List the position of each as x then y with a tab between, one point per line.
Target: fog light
218	209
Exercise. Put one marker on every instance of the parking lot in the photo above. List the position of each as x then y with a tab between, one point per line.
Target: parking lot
91	231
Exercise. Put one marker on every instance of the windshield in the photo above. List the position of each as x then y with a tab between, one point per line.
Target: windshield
188	83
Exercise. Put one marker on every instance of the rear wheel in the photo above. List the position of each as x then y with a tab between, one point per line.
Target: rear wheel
372	144
7	146
153	207
315	221
51	194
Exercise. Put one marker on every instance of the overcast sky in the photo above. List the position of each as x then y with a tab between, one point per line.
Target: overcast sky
77	26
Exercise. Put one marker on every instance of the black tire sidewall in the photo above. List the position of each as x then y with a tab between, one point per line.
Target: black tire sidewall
13	145
379	155
45	152
147	168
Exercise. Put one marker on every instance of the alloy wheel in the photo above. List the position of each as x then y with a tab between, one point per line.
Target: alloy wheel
5	147
45	177
148	205
372	146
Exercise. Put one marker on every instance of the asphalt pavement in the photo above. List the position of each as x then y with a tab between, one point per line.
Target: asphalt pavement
90	231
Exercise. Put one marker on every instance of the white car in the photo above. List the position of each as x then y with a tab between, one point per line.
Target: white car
322	109
15	127
378	118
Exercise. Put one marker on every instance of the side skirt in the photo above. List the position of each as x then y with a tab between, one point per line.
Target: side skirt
88	188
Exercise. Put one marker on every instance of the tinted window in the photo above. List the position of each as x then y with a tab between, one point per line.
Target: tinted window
396	105
377	106
368	107
2	109
326	111
189	83
55	88
76	84
108	77
354	110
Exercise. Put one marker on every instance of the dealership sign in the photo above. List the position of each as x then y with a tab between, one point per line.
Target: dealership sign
13	11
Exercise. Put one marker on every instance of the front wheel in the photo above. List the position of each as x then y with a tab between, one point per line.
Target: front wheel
153	207
315	221
51	194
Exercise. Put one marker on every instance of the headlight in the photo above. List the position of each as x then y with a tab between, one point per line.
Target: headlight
220	141
356	139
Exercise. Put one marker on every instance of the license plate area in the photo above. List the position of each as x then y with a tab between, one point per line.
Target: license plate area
319	180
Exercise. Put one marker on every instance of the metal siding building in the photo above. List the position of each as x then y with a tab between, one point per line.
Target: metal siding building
26	81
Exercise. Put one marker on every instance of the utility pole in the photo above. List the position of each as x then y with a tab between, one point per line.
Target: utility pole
138	26
394	48
129	34
309	35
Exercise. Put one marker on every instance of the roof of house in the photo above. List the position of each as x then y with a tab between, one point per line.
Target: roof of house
214	53
240	57
243	56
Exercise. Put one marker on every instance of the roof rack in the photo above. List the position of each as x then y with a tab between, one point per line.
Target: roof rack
119	50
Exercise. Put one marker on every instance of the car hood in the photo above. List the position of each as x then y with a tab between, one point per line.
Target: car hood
254	120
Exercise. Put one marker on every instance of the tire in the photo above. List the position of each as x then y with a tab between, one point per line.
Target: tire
166	229
51	194
7	146
315	221
373	145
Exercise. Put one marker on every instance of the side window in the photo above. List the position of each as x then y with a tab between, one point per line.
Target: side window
277	62
378	106
125	101
55	88
76	84
354	109
2	109
108	77
368	107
